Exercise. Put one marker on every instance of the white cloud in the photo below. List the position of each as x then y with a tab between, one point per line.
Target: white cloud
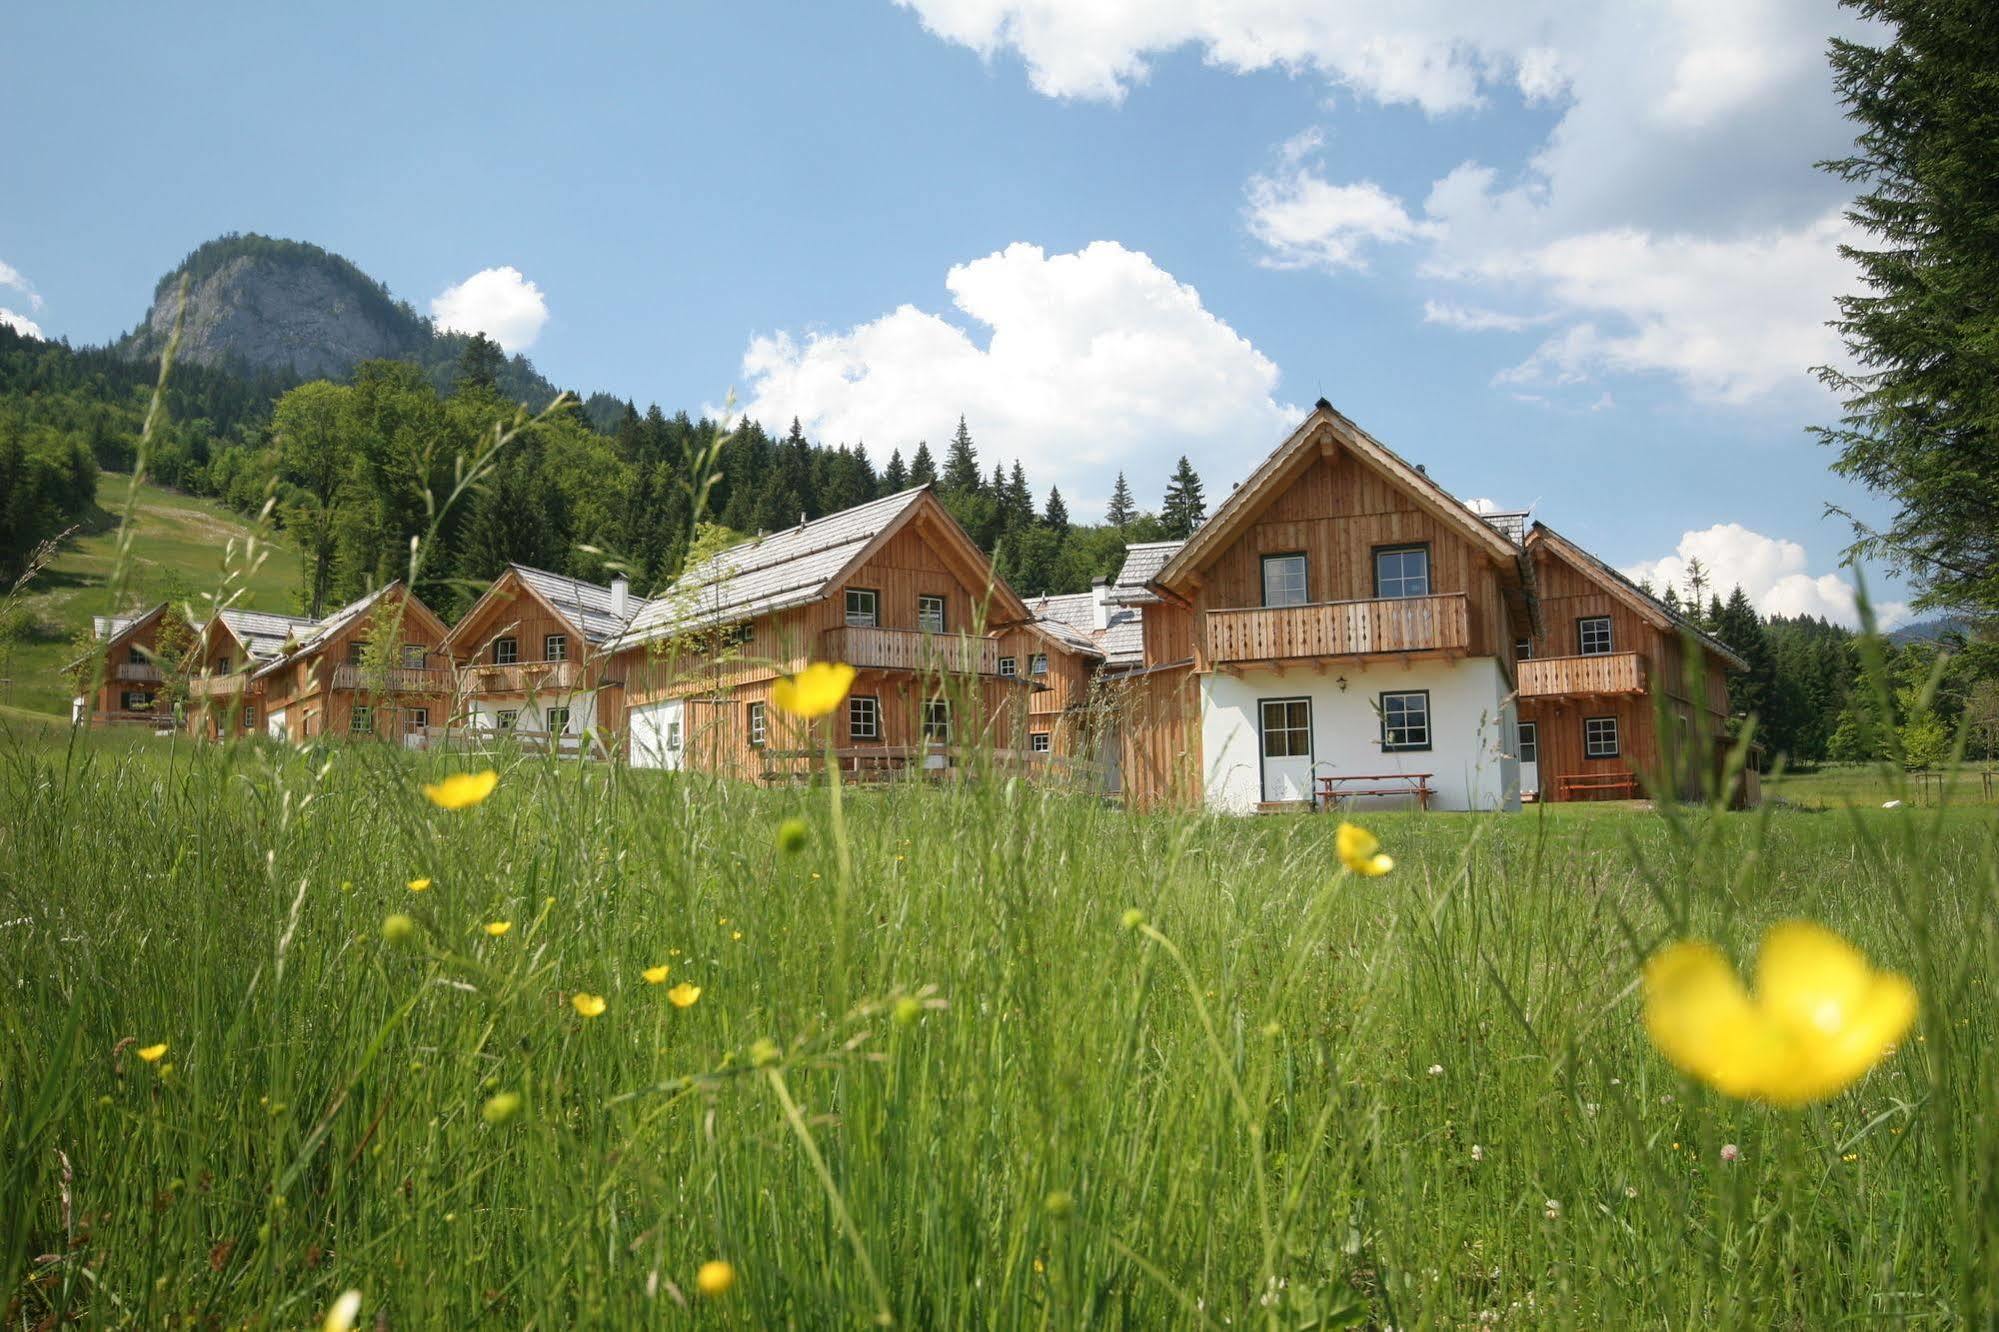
498	302
1090	359
11	276
20	323
1774	573
1305	221
1471	319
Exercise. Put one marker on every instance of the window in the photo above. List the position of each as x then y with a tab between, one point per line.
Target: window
136	655
1593	635
1037	742
419	719
739	635
362	720
134	700
413	655
1523	649
937	720
864	717
506	651
1287	727
1284	580
861	608
557	720
221	666
555	647
1038	664
504	719
1405	721
1009	667
673	734
930	614
1529	743
1402	571
249	716
1600	737
355	651
759	726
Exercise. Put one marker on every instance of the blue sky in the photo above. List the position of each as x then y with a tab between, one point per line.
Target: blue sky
1562	257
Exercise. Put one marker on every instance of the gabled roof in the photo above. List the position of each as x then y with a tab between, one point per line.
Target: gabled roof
1120	643
1326	428
262	634
806	563
586	606
317	634
110	628
1648	607
1142	563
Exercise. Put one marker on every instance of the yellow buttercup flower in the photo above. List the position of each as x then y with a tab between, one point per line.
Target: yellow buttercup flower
341	1314
1361	852
418	885
496	928
1820	1018
656	975
715	1278
462	790
814	691
589	1005
151	1053
683	995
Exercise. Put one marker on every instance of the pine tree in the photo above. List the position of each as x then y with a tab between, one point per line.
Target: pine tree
922	469
1183	509
895	477
1056	516
1019	502
1922	408
1739	626
480	364
1121	510
961	464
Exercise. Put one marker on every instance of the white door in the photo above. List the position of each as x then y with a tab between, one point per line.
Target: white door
657	741
1529	749
274	724
1287	748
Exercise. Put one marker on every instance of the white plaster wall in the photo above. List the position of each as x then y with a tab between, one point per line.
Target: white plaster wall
582	712
1470	757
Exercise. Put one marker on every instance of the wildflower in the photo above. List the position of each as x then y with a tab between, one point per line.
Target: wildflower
656	975
398	928
462	790
589	1005
1730	1153
1060	1204
496	928
715	1279
1819	1020
1477	1152
341	1314
1436	1070
907	1010
814	691
1361	852
1552	1209
791	835
683	995
764	1052
419	885
1132	918
1631	1190
151	1053
1850	1157
499	1109
735	936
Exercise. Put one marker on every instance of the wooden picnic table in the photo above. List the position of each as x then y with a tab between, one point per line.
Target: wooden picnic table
1607	785
1336	786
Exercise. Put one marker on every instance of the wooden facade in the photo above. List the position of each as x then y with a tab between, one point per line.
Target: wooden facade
515	651
322	690
125	679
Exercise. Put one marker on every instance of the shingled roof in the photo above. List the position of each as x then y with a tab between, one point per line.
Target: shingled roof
585	605
264	635
1637	597
1072	617
1142	562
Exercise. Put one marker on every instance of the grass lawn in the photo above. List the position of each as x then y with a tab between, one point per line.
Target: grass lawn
1843	785
930	1074
176	537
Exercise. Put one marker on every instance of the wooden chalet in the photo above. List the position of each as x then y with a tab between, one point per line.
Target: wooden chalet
122	682
226	693
530	662
1340	630
324	686
893	587
1608	660
1077	647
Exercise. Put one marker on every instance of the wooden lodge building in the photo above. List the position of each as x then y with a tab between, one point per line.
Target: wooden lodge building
530	662
226	694
946	652
321	683
122	681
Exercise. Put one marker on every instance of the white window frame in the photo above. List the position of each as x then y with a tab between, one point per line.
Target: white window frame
759	723
361	719
1038	664
1292	579
1401	582
1527	742
134	700
673	734
1587	627
926	603
1594	731
1296	735
864	717
1396	702
249	716
507	651
1039	742
555	647
419	720
1009	667
414	655
868	618
937	721
505	718
549	720
1523	649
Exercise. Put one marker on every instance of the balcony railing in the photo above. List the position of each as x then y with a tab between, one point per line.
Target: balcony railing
396	680
1603	673
912	650
1339	629
223	686
523	677
138	670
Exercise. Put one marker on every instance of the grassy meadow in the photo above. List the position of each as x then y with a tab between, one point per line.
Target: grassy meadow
931	1076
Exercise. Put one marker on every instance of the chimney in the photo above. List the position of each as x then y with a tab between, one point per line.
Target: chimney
1100	606
621	597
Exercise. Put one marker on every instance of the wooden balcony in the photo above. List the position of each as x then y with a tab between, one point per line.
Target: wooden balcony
397	679
138	671
524	677
223	686
1582	677
1390	625
911	650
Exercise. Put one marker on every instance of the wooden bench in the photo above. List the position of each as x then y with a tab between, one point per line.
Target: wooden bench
1336	787
1598	786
